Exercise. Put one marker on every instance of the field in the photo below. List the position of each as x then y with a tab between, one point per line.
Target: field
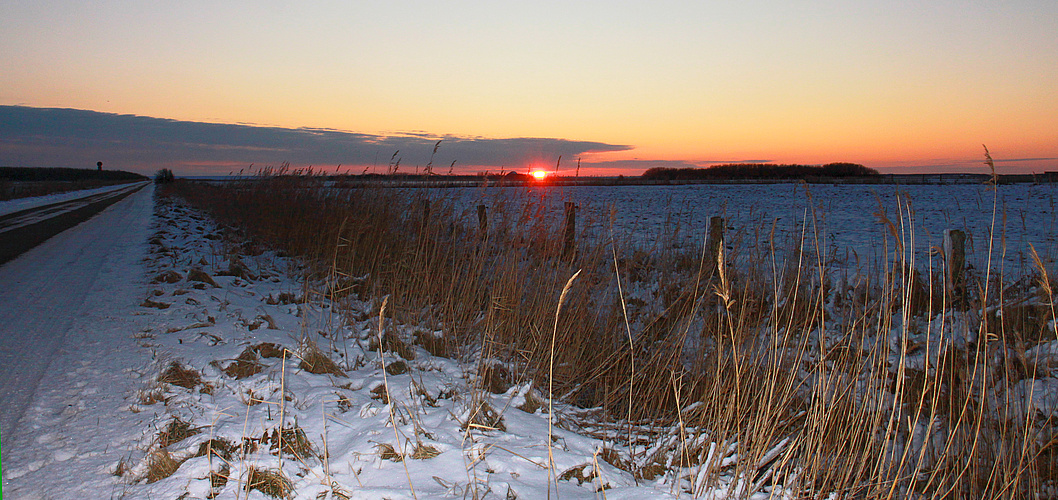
21	182
660	360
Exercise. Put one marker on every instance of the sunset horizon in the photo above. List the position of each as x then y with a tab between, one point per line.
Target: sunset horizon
618	88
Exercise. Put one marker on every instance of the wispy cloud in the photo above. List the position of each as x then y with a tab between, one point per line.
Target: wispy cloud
69	137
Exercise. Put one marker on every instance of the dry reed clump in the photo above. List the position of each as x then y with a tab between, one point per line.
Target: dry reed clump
380	393
483	416
434	343
291	441
270	482
177	430
160	465
387	452
199	276
807	377
424	452
154	304
167	277
391	342
179	375
313	360
245	365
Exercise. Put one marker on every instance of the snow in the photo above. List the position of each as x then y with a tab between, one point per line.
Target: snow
92	320
68	308
20	204
105	318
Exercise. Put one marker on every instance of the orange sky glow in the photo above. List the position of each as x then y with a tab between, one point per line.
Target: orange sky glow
897	86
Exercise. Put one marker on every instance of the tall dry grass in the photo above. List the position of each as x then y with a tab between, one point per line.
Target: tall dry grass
774	371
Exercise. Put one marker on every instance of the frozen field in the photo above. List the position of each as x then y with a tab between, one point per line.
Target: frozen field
844	217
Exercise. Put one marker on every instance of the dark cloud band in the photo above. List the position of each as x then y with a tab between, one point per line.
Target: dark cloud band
68	137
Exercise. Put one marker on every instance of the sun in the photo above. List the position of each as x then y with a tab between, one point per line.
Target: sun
539	175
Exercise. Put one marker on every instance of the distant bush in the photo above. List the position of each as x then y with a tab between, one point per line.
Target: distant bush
760	171
163	176
35	174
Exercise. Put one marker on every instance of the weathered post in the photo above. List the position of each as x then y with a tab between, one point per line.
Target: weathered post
714	242
568	234
955	261
483	223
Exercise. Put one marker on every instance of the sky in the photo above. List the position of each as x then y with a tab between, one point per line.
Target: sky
897	85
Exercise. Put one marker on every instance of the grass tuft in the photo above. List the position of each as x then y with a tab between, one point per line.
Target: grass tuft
179	375
313	360
160	465
270	482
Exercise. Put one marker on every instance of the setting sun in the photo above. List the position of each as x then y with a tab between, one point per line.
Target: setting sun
539	175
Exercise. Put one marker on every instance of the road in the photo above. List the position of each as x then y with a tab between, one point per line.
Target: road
28	228
50	288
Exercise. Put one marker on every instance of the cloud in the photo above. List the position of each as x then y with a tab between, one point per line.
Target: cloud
69	137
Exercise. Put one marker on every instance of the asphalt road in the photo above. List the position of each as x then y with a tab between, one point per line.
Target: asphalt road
21	231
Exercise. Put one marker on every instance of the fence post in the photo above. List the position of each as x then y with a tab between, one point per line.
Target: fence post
569	233
955	262
483	223
715	241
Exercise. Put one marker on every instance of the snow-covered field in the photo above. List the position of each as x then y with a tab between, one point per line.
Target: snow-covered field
177	360
188	372
842	218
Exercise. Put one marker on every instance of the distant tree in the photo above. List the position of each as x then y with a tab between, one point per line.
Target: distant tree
163	176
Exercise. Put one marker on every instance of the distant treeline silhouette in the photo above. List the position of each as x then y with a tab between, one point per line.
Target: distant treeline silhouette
759	171
35	174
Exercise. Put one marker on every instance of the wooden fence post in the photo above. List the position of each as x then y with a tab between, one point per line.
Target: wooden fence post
955	262
569	233
715	241
483	223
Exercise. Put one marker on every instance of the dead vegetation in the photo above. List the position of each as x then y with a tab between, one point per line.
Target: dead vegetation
313	360
268	481
798	377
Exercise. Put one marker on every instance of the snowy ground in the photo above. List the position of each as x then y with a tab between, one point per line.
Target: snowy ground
182	369
68	307
148	353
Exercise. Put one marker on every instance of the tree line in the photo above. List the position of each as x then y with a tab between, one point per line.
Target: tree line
759	171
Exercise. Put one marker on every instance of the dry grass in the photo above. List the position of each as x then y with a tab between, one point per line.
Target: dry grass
245	365
291	441
424	452
313	360
800	374
270	482
160	465
179	375
177	430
